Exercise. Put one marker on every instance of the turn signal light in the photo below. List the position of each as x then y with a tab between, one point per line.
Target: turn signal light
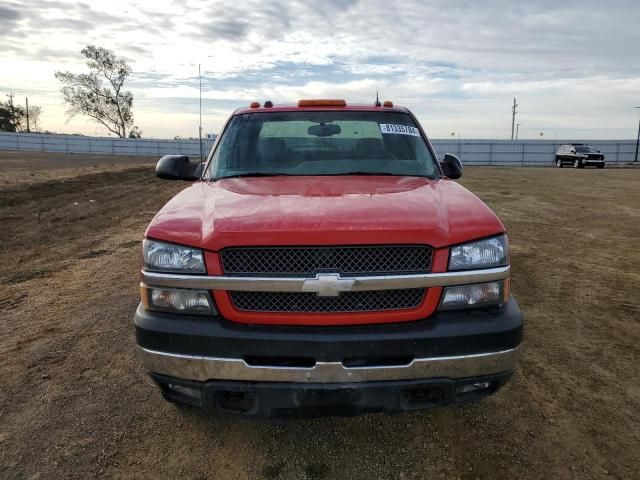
322	103
177	300
474	295
506	290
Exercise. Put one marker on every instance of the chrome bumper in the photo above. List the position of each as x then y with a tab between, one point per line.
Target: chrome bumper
293	284
198	368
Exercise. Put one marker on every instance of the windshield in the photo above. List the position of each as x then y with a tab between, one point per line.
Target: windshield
322	143
586	149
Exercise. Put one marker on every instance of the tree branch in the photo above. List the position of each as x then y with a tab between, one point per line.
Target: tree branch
85	93
99	120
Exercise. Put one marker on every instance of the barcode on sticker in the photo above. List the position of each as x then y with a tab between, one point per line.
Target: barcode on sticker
399	129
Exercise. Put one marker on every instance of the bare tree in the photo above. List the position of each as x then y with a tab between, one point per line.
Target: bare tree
35	111
104	101
135	132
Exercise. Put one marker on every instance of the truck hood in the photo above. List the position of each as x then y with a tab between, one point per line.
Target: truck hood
323	210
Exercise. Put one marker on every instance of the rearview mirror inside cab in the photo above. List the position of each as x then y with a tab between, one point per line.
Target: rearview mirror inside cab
324	130
178	167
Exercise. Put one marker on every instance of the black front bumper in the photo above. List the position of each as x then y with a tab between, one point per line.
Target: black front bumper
444	335
273	400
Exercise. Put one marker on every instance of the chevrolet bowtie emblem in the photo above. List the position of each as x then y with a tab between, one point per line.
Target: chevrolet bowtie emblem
327	285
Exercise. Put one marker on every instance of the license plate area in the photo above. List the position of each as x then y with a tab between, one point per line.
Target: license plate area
314	397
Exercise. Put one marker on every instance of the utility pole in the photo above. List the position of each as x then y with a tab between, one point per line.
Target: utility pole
513	116
27	100
637	140
200	127
13	110
517	129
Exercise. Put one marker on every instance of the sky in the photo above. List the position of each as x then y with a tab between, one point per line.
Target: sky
574	67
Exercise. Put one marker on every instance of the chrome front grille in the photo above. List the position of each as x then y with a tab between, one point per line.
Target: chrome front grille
367	301
345	260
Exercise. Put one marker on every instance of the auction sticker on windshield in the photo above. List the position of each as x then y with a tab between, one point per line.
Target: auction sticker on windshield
399	129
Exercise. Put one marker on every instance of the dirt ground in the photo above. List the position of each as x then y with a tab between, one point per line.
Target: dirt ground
75	402
35	167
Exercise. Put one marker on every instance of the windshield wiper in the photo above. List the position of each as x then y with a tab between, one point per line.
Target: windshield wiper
366	173
282	174
375	173
256	174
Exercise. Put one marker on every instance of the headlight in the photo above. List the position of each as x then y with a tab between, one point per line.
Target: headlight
487	253
178	300
477	295
167	257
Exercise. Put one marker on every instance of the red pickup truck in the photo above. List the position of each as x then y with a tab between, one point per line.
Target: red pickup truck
324	262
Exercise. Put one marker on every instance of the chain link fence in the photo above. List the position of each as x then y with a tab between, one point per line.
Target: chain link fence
528	152
471	152
102	145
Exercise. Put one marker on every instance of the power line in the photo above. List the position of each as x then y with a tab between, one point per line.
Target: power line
13	111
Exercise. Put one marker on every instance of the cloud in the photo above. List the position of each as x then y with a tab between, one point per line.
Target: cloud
228	21
230	29
74	24
9	14
454	63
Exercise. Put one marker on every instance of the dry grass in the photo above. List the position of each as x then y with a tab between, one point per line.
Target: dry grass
74	401
24	168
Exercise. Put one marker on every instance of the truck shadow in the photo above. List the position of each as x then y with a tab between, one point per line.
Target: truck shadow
476	440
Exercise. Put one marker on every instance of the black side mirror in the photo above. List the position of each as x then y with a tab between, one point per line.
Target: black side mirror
451	166
178	167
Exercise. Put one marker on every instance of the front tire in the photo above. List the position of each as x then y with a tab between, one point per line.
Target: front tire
600	165
577	163
558	162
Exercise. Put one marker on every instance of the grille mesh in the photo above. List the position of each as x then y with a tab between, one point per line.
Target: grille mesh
345	260
367	301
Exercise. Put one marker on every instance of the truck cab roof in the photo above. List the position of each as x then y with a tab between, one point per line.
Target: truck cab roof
320	105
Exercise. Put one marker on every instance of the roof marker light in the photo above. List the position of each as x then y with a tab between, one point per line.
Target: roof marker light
387	103
322	103
268	104
255	105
